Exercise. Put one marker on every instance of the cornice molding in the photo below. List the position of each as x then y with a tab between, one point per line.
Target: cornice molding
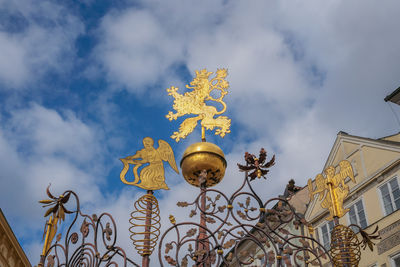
9	234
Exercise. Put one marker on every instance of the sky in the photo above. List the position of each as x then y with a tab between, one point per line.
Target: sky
83	82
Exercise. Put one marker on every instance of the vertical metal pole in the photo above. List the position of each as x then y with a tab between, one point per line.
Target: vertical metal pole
279	256
342	245
50	232
332	194
336	220
203	243
336	214
203	134
146	254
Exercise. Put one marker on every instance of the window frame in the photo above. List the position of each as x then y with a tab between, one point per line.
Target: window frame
392	257
390	193
320	233
358	219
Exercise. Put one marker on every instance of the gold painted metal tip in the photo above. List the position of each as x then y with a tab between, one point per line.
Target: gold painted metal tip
172	219
203	156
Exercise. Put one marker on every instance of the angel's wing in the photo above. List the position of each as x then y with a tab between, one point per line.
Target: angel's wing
321	186
167	154
345	171
310	189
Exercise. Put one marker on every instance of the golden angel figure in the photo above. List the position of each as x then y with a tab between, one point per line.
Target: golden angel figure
151	177
333	190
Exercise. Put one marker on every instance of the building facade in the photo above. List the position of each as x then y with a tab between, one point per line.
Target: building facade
11	253
373	200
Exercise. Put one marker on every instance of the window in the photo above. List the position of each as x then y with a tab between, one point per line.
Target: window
326	230
357	215
390	194
396	260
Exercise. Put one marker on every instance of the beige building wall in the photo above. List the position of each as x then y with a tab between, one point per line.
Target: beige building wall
11	253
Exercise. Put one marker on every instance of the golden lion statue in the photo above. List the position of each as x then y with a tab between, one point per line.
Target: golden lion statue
194	102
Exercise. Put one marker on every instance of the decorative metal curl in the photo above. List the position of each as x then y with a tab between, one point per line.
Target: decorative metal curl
235	221
89	240
345	249
346	246
145	221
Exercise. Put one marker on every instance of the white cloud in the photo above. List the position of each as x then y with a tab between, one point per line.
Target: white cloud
62	151
47	133
135	50
42	41
272	93
299	72
12	51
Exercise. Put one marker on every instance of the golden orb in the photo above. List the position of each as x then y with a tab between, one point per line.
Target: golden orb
203	156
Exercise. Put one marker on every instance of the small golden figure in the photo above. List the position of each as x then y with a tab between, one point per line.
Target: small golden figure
194	102
333	190
151	176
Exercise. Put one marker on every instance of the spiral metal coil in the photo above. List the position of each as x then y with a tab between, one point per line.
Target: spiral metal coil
345	249
145	221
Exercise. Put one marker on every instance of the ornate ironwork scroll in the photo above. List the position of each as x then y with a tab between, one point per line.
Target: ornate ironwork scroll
241	230
89	240
272	227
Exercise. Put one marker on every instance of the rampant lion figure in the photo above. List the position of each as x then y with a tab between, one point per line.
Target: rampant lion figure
193	102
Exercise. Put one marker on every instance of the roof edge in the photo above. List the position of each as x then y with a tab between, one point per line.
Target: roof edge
14	239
